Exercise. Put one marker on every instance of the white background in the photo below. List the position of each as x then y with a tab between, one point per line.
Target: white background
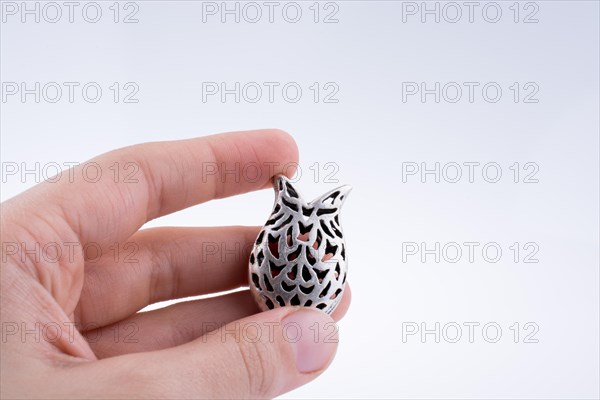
369	135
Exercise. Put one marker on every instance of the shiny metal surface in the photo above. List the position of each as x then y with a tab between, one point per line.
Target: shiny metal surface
299	256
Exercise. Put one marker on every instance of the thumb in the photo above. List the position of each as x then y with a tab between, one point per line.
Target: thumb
260	356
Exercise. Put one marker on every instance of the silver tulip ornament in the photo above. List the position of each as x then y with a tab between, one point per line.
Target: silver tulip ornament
299	256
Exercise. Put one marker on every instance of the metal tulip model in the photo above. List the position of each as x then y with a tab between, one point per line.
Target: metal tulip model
299	257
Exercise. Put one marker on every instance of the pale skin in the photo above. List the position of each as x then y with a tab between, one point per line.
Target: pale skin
174	352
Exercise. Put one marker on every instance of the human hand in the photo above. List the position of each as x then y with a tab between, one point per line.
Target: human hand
50	285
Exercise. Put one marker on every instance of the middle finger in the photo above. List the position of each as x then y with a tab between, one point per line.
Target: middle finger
162	264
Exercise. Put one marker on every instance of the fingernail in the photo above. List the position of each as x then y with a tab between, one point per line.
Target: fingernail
314	337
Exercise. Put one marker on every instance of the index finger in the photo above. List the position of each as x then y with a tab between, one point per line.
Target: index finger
169	176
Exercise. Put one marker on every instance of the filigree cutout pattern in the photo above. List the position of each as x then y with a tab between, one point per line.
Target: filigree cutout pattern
299	257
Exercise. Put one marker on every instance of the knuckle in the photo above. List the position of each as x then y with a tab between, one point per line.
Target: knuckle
257	358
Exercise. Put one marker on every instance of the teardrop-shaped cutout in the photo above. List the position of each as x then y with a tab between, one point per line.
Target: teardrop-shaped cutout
275	269
291	191
331	198
284	223
295	301
269	304
267	283
286	287
293	255
330	250
260	237
325	228
335	230
307	290
289	204
289	236
323	211
304	231
317	242
306	274
336	294
324	291
321	274
280	301
309	257
273	245
273	220
293	272
256	282
303	237
260	257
